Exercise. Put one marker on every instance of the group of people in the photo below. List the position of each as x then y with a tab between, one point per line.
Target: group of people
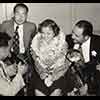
43	61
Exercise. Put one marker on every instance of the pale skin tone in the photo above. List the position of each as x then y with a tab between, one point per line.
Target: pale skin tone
20	15
77	35
47	34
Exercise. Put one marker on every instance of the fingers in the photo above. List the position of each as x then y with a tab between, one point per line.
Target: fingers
22	69
56	92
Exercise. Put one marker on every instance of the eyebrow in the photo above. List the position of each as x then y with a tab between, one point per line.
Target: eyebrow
74	33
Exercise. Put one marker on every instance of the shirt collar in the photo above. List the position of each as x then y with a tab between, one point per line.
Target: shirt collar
86	42
15	25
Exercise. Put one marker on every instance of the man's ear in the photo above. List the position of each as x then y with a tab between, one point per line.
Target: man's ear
86	38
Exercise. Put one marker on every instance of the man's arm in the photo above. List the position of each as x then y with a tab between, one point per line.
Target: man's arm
4	26
34	31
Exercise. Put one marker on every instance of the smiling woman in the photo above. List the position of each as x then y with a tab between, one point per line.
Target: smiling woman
50	65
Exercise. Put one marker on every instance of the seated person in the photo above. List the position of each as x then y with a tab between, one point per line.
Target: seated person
77	63
84	82
8	86
48	50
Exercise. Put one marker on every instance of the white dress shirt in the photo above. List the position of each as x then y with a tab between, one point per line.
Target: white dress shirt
21	39
85	50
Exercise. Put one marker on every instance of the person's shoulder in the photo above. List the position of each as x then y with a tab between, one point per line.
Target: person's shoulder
6	25
7	21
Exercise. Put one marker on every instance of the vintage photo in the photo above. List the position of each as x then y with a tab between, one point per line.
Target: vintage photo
49	49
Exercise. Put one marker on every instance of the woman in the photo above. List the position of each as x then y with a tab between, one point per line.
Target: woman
48	50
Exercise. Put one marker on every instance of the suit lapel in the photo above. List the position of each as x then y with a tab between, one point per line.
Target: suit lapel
25	34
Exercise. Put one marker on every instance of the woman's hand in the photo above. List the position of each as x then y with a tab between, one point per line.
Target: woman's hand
22	69
11	70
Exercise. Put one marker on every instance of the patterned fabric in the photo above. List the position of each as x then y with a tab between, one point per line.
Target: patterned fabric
3	72
16	42
50	57
9	87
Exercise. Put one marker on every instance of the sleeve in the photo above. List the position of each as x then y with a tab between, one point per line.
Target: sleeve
34	31
3	26
11	88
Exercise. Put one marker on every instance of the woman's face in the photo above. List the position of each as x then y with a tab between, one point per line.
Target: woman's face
47	33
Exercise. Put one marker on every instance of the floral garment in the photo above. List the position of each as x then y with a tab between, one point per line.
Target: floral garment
50	57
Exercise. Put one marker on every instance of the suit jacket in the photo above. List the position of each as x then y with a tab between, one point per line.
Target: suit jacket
89	69
29	30
94	47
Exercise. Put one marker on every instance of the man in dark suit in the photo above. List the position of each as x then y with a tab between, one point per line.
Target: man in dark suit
83	37
26	30
21	31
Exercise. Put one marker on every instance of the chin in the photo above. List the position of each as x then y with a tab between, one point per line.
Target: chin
19	22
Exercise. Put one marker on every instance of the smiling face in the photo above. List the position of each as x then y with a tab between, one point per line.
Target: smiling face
20	15
47	33
77	35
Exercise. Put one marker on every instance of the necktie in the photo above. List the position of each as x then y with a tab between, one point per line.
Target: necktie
82	57
16	42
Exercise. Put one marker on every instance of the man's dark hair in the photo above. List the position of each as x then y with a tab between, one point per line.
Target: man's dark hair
87	26
21	5
4	39
49	23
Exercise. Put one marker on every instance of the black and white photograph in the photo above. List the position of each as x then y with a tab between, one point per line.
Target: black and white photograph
49	49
